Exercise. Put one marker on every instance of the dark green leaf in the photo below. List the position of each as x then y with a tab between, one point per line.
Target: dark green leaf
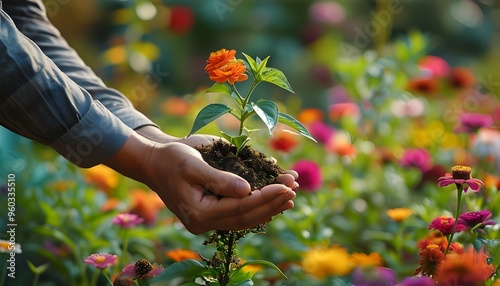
268	112
186	268
219	88
208	114
295	124
276	77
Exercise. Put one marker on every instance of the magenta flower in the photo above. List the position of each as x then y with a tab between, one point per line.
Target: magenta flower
309	175
371	276
418	158
476	220
127	220
418	281
471	122
445	225
321	131
461	175
101	260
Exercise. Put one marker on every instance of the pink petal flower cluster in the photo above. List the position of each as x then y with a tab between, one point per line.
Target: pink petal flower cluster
126	220
101	260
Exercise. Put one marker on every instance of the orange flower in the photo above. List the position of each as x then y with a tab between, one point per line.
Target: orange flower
426	85
233	71
367	260
219	59
435	237
102	176
309	115
175	106
461	77
146	204
399	214
182	254
430	259
470	268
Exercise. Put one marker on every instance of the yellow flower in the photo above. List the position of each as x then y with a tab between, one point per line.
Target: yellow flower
367	260
322	262
399	214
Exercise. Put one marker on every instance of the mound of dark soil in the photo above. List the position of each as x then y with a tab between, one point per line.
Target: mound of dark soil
250	164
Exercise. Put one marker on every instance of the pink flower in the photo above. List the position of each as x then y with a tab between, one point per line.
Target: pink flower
101	260
434	65
127	220
445	225
418	281
461	175
471	122
327	12
417	158
309	175
337	111
142	269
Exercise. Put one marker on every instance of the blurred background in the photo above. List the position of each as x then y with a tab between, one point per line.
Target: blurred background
151	50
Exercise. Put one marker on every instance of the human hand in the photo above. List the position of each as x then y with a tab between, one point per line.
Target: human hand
181	178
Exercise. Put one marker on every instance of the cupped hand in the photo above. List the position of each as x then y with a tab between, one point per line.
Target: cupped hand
185	182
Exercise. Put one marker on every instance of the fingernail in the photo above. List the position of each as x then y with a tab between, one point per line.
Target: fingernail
242	188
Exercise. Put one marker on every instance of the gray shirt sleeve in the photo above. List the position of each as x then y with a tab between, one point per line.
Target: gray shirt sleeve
40	102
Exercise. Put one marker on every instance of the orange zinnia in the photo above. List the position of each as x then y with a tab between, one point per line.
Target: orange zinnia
218	59
231	72
182	254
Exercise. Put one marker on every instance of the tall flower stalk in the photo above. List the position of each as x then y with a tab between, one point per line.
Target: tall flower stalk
461	177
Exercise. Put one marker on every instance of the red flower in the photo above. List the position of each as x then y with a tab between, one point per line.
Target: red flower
283	140
461	175
427	85
181	19
445	225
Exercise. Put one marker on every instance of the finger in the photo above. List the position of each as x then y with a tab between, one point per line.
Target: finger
255	216
293	173
225	183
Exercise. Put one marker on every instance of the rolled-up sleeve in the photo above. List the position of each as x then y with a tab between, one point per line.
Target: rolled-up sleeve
40	102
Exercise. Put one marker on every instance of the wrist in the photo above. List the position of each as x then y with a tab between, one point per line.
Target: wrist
131	159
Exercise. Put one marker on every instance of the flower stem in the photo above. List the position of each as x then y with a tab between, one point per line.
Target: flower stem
460	188
95	276
124	250
244	105
229	257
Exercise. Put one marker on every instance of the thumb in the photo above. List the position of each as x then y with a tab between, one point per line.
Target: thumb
226	184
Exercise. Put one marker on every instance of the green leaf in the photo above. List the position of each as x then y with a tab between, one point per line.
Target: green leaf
276	77
37	270
246	282
252	65
263	262
186	268
261	64
208	114
219	88
268	112
295	124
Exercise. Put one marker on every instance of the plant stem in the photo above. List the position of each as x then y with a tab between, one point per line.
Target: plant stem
244	105
124	250
460	188
229	258
95	275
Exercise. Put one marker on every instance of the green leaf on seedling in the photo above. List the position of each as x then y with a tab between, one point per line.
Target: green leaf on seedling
238	141
38	270
208	114
295	124
261	64
263	262
268	112
186	268
219	88
276	77
251	64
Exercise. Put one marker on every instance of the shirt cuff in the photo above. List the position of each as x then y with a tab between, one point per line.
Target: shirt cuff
94	139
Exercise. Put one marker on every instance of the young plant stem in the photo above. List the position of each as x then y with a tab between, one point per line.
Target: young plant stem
229	257
124	250
460	188
244	104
